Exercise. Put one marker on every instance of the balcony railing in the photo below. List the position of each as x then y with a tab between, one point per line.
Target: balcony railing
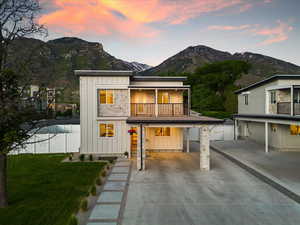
149	109
285	108
143	109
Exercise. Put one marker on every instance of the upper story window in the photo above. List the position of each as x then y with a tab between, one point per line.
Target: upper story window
296	96
106	96
106	130
163	97
246	99
273	97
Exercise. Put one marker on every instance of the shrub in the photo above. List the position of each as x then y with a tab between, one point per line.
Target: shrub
217	114
70	157
91	157
98	181
107	167
103	173
73	220
94	190
84	205
81	157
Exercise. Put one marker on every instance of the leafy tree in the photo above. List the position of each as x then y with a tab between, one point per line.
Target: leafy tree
18	116
213	85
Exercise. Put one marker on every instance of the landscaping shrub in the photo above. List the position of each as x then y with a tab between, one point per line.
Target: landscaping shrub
91	157
108	167
81	157
94	190
98	181
70	157
73	220
84	205
103	173
126	154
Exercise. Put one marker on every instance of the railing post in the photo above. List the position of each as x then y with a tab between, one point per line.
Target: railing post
292	100
156	105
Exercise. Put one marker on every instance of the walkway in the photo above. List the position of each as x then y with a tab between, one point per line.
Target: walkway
283	167
110	204
173	191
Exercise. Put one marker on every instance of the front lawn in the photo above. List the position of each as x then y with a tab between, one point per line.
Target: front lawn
44	191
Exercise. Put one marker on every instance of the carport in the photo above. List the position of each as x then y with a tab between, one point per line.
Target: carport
185	123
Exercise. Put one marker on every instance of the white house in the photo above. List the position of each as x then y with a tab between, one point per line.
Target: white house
121	112
269	113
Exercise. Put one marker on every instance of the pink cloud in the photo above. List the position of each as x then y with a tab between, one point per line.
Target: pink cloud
273	35
99	17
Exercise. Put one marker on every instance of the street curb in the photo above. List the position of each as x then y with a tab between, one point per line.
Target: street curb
260	175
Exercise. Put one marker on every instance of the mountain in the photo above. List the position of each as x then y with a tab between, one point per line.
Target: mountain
192	57
53	62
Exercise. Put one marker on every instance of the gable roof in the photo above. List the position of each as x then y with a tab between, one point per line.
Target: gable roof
267	80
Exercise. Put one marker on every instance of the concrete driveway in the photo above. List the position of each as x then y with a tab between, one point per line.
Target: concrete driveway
173	191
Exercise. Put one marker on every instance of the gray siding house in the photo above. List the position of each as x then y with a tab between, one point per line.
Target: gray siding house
269	113
121	112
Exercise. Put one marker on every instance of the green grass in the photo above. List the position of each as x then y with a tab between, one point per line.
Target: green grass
44	191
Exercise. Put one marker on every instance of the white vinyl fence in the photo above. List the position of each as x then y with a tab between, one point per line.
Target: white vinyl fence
222	132
54	139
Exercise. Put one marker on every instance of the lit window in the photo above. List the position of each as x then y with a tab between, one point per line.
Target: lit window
106	130
295	130
273	97
106	97
163	98
246	99
163	131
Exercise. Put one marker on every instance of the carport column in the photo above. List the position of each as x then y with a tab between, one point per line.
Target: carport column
266	137
141	151
236	129
187	139
204	149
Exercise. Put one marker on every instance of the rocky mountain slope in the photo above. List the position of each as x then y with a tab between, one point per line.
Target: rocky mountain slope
53	62
192	57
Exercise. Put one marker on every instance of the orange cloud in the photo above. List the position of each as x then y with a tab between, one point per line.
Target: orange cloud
130	18
273	35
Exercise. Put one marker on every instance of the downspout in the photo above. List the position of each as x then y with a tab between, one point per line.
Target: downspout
141	145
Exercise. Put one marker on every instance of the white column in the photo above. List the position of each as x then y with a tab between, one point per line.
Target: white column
236	129
204	149
187	139
138	149
292	100
156	102
144	147
266	137
267	106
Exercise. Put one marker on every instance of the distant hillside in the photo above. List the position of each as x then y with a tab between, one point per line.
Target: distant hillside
192	57
53	62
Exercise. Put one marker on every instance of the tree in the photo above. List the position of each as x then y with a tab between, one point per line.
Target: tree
213	85
18	117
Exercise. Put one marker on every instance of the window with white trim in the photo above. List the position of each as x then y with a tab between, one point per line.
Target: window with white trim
106	96
106	130
273	97
246	99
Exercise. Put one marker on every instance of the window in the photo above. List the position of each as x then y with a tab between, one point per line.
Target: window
106	96
106	130
295	130
273	97
162	131
163	98
246	99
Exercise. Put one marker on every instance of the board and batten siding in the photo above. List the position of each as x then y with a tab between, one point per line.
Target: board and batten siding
89	119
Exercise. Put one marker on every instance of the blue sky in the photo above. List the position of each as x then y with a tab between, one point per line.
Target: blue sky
150	31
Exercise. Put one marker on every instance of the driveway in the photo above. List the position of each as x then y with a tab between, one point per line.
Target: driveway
284	166
173	191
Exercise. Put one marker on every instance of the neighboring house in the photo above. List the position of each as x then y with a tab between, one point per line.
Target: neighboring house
120	112
269	113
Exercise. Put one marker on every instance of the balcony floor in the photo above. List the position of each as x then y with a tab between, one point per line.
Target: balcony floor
175	119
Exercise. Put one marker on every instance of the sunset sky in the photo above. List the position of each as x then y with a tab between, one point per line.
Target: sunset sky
150	31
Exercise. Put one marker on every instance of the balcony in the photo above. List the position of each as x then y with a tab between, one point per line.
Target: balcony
163	109
285	108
